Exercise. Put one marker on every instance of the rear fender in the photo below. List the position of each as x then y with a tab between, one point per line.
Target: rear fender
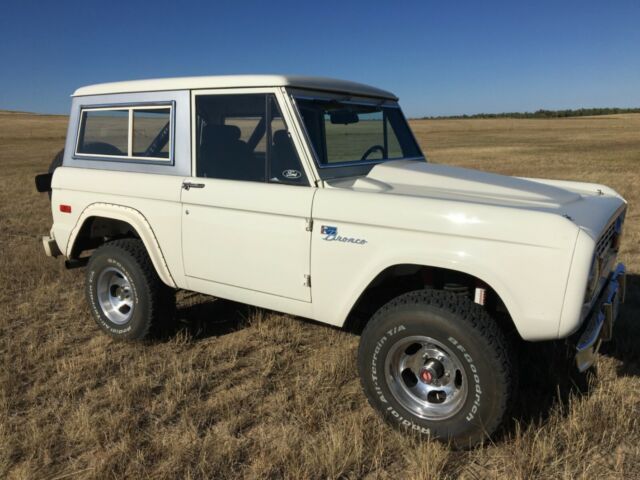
134	218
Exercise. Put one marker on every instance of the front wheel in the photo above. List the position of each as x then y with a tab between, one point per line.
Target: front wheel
435	363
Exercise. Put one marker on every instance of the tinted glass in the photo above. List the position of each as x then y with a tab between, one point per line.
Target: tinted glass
228	131
104	132
151	133
394	150
243	137
343	132
284	163
348	142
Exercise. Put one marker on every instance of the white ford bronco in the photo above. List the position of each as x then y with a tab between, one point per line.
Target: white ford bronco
311	196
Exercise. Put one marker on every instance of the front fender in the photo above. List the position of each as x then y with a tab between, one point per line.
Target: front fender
531	280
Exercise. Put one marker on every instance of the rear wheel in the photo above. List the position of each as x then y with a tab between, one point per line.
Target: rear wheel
126	296
435	363
55	163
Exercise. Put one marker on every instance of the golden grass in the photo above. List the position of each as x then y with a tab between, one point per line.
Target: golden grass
244	393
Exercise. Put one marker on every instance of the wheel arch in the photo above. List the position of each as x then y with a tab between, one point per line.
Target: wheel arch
399	278
101	220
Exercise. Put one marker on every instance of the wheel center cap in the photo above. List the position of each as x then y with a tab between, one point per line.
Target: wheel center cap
426	376
431	371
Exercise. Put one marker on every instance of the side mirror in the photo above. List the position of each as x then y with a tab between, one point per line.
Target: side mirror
43	182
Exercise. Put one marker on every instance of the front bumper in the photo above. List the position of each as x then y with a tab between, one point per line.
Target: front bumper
599	324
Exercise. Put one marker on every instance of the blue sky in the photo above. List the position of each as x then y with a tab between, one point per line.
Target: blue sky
439	57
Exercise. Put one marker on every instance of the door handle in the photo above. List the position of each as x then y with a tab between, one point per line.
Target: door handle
188	185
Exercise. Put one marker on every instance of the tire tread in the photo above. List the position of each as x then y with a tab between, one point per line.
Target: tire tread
478	320
161	301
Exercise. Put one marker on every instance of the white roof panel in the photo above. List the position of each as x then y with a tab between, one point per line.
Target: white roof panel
234	81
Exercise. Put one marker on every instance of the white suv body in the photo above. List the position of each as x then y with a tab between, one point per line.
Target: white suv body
312	239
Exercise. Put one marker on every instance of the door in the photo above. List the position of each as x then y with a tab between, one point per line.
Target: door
245	213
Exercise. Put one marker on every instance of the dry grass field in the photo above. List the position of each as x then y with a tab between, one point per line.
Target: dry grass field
245	393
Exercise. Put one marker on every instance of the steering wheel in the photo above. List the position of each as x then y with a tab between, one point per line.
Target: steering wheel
372	149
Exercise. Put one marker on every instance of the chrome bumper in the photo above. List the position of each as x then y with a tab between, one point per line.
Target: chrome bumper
599	325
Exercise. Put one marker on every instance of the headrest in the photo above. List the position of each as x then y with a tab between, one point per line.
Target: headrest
280	136
232	131
218	133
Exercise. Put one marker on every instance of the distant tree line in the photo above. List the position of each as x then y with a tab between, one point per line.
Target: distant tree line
580	112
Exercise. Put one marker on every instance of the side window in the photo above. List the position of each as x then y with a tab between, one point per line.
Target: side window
151	132
244	137
104	132
228	127
131	133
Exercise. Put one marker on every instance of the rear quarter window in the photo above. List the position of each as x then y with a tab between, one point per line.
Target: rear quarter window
104	132
126	133
148	126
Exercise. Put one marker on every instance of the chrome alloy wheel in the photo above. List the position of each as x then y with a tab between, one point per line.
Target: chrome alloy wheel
426	377
115	295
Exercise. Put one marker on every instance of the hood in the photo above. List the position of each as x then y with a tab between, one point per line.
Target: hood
461	184
588	205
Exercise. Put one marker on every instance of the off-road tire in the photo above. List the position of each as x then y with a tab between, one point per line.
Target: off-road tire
460	326
153	301
55	163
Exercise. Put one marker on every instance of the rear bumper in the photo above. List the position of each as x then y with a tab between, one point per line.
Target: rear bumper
598	327
50	246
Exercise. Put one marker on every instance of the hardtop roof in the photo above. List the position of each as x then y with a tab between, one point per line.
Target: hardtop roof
234	81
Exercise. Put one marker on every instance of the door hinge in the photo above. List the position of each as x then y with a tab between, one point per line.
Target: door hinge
307	280
309	227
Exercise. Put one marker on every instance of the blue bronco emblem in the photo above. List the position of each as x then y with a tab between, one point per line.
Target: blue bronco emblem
331	235
327	230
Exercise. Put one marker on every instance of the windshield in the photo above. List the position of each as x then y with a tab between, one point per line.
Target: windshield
347	133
